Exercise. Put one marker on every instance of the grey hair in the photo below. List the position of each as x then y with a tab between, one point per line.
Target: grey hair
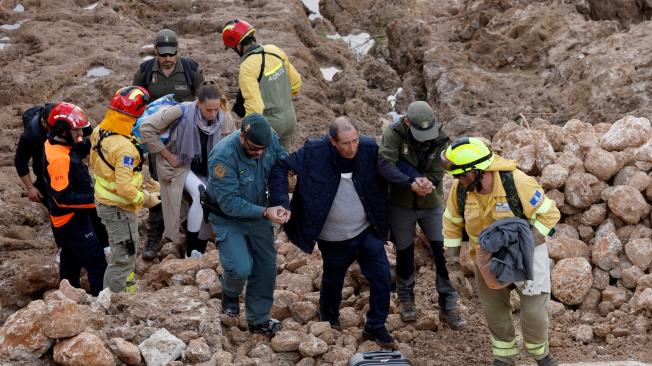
342	123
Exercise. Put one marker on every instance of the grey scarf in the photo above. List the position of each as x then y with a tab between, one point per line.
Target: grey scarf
188	142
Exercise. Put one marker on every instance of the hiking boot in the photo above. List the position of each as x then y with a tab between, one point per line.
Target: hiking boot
270	327
408	311
230	305
547	361
380	335
498	362
452	318
150	252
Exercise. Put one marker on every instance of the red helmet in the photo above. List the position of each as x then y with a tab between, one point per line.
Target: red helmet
235	31
130	100
72	114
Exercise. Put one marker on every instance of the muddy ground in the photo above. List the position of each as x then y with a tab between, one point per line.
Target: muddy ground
480	63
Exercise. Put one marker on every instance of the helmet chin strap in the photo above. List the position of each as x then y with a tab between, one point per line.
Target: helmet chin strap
476	185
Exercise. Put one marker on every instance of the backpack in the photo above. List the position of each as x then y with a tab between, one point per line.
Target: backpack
513	200
238	106
190	66
153	107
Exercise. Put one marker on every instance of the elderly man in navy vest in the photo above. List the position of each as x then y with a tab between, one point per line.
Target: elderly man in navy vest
339	202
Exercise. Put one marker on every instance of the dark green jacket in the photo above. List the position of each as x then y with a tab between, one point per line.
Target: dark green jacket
398	144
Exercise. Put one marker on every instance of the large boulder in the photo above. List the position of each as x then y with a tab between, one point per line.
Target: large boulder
563	247
21	336
581	190
127	352
639	252
628	204
626	132
601	164
63	319
287	341
605	251
571	280
312	346
37	277
82	350
632	176
553	176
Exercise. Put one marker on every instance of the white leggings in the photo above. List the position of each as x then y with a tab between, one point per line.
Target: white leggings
195	213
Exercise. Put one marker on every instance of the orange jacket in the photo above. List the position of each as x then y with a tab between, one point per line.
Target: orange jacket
69	186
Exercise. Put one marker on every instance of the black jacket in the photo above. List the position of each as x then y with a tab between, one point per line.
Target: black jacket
317	182
30	146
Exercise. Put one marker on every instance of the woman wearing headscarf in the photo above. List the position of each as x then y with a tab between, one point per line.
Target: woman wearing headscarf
182	162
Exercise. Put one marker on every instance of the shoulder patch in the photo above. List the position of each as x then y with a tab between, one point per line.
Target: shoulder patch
219	170
536	198
128	161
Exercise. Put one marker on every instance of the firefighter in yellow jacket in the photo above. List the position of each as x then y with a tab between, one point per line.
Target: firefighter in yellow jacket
486	189
267	80
119	189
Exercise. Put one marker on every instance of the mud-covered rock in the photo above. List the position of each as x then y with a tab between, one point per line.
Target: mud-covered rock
605	251
303	311
591	300
553	176
22	337
63	319
127	352
601	164
38	276
626	132
282	301
632	176
580	190
571	280
639	252
287	341
198	351
312	346
583	333
563	247
629	276
627	203
615	295
84	349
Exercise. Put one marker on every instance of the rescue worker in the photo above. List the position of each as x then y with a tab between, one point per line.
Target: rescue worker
339	202
119	188
69	196
238	167
194	128
410	150
167	73
487	180
267	80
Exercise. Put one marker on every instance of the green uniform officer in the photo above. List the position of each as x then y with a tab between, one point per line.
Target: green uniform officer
168	73
239	165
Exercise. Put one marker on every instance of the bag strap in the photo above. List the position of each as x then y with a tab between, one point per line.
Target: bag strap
98	148
513	200
189	68
146	69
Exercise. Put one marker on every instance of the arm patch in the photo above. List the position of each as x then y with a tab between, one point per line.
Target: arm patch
536	198
128	161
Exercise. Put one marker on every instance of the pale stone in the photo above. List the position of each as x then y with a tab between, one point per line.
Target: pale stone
337	355
262	352
127	352
298	283
349	318
595	215
627	132
82	350
627	203
21	336
317	328
632	176
553	176
206	279
103	299
639	252
614	295
282	301
427	321
605	251
583	333
644	282
161	348
303	311
37	277
564	230
591	300
563	247
198	351
580	190
312	346
571	162
63	320
555	309
601	164
287	341
630	276
571	280
600	278
75	294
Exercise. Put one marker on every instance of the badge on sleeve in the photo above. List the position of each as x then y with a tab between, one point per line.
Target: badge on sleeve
128	161
219	170
536	198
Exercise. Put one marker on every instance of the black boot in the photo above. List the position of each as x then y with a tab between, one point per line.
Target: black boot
150	252
192	243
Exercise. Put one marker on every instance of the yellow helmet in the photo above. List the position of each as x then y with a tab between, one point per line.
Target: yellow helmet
466	153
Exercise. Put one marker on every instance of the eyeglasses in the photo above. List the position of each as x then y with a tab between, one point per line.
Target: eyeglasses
255	147
167	54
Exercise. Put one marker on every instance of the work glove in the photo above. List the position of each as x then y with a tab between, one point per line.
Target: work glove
151	199
152	186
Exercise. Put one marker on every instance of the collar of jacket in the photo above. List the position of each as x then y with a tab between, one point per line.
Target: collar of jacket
117	122
255	48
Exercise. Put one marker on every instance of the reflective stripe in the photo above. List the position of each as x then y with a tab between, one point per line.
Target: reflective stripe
451	218
59	221
275	69
131	283
452	242
106	189
504	349
536	349
543	229
545	206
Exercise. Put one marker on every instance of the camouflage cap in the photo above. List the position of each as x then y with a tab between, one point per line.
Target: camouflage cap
423	123
166	41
